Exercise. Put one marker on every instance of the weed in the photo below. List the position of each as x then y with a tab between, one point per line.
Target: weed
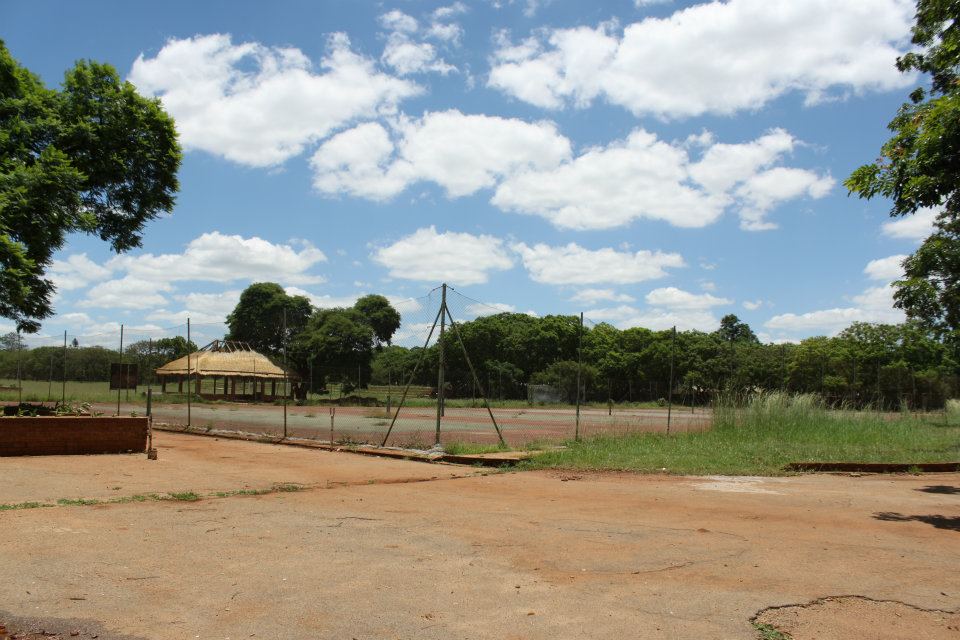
77	502
185	496
767	632
288	487
23	505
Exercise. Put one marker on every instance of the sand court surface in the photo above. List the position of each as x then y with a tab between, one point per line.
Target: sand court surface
377	548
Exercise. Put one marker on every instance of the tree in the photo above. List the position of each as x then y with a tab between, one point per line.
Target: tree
258	317
94	157
380	315
919	167
733	330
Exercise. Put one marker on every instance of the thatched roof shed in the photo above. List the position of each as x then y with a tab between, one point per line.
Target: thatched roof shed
224	358
231	361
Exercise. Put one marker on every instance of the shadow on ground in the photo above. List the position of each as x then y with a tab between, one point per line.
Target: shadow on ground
951	523
945	489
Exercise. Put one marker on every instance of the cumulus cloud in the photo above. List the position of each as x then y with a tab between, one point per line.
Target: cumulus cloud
717	57
258	105
457	258
407	56
752	305
216	257
593	296
888	269
477	310
129	292
873	304
76	271
575	265
645	177
626	316
913	227
674	298
462	153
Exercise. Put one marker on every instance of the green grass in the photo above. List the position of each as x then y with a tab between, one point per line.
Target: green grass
767	632
23	505
766	434
467	448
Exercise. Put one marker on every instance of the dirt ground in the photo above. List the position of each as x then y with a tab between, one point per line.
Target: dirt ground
376	548
415	425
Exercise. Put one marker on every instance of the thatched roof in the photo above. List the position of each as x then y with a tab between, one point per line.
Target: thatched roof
222	358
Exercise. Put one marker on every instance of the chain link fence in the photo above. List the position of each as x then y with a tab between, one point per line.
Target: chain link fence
459	371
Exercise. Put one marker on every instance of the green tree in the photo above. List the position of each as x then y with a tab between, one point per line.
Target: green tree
919	167
258	318
94	157
380	315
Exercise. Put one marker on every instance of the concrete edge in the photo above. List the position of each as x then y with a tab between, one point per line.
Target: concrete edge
380	452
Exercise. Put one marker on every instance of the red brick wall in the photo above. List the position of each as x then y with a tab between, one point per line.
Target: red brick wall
71	435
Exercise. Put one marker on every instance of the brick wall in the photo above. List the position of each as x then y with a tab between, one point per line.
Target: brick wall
71	435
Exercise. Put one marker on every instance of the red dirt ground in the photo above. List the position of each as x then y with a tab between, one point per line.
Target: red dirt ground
379	548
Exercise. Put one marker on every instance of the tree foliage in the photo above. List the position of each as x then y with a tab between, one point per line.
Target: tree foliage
94	157
919	167
258	318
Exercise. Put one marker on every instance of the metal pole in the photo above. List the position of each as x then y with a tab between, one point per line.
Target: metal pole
673	347
783	366
63	390
440	369
121	385
473	372
149	360
50	380
189	380
576	428
286	386
19	381
413	374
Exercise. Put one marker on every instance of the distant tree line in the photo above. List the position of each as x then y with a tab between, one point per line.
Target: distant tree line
86	364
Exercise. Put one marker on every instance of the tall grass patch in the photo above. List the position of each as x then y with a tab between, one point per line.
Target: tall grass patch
763	432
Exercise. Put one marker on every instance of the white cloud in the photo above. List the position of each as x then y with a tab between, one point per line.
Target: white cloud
324	301
874	304
717	57
575	265
129	292
258	105
592	296
674	298
913	227
407	56
76	272
888	269
221	258
762	192
488	309
626	317
644	177
397	20
752	305
456	258
462	153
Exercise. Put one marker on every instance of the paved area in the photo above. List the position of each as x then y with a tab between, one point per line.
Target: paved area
366	552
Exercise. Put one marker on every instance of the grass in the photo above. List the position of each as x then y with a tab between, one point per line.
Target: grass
767	632
467	448
765	434
184	496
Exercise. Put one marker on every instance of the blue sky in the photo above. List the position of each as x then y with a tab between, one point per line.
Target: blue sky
649	163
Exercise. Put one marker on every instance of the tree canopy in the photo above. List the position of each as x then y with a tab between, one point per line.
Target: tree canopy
919	167
94	157
258	318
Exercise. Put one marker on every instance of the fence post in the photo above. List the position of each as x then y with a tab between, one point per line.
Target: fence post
63	391
440	369
121	385
673	348
576	428
189	393
286	385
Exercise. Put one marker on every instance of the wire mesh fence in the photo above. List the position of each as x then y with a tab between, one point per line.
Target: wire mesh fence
458	371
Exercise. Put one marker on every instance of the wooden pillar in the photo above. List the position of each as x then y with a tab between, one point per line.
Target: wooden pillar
163	384
198	384
273	388
179	384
